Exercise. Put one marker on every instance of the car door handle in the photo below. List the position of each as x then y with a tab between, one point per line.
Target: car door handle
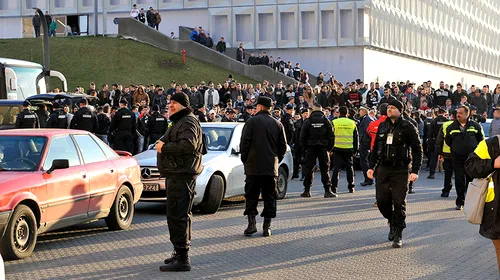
111	170
84	175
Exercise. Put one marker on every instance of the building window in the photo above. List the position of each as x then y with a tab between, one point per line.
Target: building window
115	2
308	25
243	22
87	3
59	3
266	27
220	25
288	26
3	5
346	28
327	25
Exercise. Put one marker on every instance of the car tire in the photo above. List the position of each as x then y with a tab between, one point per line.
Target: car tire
122	211
20	235
214	193
282	184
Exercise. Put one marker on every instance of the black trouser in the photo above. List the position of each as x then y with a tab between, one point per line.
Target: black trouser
448	173
153	137
254	186
391	188
462	180
296	152
433	162
37	31
320	153
342	159
364	155
124	141
180	194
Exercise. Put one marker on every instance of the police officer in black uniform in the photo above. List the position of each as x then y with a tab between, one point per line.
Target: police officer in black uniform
397	144
201	113
297	147
84	119
316	138
365	142
287	121
26	118
104	124
247	114
58	118
157	125
123	128
434	129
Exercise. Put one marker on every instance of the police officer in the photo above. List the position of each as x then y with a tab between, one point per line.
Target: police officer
201	113
262	146
179	160
365	141
297	146
247	114
435	127
287	121
123	128
104	124
345	147
396	139
427	135
463	136
84	119
316	139
26	118
58	118
157	125
444	153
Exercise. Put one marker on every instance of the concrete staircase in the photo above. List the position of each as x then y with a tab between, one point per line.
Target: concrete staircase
129	28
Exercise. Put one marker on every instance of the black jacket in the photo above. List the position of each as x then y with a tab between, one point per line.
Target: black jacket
210	43
84	119
123	121
462	143
287	122
27	119
364	138
104	124
263	145
181	154
323	99
317	131
157	124
244	117
57	119
221	46
240	55
264	60
405	140
440	96
480	164
252	60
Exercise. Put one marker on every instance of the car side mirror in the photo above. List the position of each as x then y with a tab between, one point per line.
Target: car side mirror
58	164
235	151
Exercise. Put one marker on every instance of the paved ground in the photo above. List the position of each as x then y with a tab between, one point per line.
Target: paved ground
316	238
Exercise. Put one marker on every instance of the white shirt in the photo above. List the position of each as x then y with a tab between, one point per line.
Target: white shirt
134	13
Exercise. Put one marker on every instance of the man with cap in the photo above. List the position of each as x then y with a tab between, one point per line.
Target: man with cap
397	144
345	148
58	118
156	125
316	140
201	113
247	114
84	119
263	145
297	147
435	127
26	118
365	140
287	121
123	128
179	160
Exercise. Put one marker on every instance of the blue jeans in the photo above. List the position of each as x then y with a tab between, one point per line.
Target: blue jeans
103	137
140	143
52	33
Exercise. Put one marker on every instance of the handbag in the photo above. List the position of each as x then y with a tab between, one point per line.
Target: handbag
476	199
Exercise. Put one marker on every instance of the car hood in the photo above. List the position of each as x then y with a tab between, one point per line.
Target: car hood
148	158
6	176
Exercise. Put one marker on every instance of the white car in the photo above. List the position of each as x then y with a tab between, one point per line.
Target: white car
222	175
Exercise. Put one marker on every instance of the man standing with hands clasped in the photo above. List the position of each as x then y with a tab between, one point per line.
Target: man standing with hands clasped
262	146
397	145
179	160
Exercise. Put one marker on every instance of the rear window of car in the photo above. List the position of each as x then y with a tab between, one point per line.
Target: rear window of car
105	148
91	152
218	138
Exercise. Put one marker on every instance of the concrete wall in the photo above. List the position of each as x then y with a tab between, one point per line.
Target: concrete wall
132	29
11	28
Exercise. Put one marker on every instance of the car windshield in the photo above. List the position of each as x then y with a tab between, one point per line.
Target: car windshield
21	153
218	138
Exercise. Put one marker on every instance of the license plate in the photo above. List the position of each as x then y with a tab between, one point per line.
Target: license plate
151	187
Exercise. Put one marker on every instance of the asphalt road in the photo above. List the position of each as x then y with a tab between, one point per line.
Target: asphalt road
315	238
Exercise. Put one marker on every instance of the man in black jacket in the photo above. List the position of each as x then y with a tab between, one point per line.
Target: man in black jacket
104	123
123	127
365	141
462	136
252	60
435	127
240	53
36	24
221	46
316	139
247	114
262	146
84	119
396	139
58	118
287	121
156	126
150	17
297	146
179	160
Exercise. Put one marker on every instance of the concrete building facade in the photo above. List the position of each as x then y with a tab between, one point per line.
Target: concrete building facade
451	40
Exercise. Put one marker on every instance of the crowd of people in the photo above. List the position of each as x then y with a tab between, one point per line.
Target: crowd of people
152	16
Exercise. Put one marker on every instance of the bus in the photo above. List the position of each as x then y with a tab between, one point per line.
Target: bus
21	79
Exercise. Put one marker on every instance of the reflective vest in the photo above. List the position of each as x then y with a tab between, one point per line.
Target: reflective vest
446	148
343	129
482	152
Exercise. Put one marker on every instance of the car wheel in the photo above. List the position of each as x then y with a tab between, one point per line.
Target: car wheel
20	236
282	183
214	193
122	211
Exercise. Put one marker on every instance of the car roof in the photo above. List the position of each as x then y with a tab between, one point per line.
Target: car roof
17	62
46	132
11	102
222	124
54	96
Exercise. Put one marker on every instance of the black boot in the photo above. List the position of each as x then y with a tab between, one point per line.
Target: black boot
329	193
391	233
267	227
398	238
351	188
431	176
180	263
411	190
252	226
172	258
306	193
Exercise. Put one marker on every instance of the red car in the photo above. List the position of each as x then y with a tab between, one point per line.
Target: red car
54	178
